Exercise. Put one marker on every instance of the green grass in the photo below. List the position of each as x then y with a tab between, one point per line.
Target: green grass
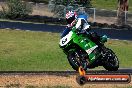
108	4
21	50
39	51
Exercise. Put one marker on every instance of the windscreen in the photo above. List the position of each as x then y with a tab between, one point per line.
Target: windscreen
65	32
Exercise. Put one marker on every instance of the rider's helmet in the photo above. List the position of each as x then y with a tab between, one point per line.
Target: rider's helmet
71	18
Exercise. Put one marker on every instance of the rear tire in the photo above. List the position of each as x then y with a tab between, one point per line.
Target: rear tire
111	63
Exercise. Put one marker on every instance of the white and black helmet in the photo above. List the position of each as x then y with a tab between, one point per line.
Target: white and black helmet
70	17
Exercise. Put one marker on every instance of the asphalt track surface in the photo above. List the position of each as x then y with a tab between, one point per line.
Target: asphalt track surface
111	33
65	73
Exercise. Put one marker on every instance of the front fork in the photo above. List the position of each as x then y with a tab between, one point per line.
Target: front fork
83	62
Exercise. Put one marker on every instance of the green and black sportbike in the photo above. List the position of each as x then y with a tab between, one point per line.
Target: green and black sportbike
87	50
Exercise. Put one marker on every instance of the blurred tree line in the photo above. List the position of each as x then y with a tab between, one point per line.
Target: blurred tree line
85	3
59	7
15	9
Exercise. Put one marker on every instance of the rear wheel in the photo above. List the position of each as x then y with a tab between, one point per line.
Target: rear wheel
111	61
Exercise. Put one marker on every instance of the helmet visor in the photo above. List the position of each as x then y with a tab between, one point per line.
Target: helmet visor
70	20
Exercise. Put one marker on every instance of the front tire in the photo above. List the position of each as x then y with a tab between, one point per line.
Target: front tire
76	60
73	61
111	61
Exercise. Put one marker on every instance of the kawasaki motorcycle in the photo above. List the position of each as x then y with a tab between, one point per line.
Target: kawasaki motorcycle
87	50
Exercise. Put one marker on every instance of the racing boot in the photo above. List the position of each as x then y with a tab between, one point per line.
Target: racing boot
103	39
81	71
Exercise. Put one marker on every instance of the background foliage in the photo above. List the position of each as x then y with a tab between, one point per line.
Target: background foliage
15	9
59	7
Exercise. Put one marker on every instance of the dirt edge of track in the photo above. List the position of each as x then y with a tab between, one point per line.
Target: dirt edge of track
22	81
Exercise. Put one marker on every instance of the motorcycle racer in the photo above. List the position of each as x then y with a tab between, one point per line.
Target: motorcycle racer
73	20
81	23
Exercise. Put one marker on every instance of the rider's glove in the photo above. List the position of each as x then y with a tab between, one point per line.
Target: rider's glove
87	28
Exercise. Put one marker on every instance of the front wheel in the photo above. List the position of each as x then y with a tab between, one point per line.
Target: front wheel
111	61
76	61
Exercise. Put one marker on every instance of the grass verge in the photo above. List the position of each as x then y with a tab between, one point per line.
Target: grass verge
22	50
39	51
108	4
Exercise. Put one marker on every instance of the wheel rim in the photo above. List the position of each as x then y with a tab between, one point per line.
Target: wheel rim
112	59
81	63
76	62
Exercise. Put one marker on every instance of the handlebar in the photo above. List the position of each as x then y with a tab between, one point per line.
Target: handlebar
81	31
